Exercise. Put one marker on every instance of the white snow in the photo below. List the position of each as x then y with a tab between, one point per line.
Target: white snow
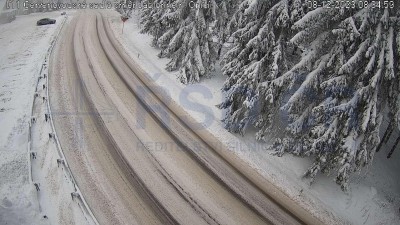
23	49
352	62
374	195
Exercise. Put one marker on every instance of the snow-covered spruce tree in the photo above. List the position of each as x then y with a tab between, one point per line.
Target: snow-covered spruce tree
186	38
259	55
225	10
349	76
346	77
151	19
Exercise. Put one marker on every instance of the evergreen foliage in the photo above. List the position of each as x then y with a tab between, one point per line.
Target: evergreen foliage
319	81
260	54
339	88
151	20
183	33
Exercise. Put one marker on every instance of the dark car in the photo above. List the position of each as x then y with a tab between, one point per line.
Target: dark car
45	21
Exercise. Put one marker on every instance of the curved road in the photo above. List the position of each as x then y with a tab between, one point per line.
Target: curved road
136	156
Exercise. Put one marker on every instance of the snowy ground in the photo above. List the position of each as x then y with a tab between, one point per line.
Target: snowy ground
23	49
374	196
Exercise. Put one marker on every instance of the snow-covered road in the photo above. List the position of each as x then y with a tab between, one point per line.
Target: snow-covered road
136	157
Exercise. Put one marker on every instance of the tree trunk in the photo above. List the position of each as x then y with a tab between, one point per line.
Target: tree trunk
385	137
394	147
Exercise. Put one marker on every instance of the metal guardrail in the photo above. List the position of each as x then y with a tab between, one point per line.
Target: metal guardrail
84	206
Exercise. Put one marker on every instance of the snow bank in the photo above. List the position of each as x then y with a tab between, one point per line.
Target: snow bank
23	49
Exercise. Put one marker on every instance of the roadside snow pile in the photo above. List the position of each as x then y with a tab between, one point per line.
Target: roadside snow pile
373	196
23	48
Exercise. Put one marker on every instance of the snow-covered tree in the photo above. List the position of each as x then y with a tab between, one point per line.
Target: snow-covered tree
184	36
152	20
225	10
352	71
260	53
335	94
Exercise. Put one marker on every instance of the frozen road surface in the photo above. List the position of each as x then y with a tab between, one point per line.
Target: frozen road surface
137	158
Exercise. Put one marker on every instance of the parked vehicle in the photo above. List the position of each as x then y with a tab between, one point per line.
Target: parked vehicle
63	13
45	21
